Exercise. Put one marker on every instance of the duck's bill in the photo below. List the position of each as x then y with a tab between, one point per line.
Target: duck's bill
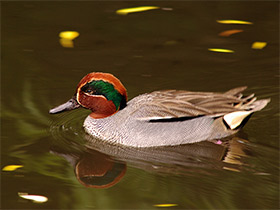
69	105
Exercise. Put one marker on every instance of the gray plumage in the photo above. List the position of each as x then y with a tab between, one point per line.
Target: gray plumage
174	117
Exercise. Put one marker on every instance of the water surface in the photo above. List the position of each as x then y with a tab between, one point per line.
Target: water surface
152	50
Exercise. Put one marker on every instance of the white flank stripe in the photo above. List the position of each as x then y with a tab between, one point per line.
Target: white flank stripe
234	119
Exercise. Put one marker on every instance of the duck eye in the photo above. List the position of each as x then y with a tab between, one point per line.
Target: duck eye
88	89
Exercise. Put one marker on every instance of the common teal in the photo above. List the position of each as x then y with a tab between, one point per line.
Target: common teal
159	118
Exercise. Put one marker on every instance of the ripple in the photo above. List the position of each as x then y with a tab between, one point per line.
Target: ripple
67	130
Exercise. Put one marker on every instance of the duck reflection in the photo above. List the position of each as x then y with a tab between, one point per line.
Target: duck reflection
228	154
92	168
98	170
103	165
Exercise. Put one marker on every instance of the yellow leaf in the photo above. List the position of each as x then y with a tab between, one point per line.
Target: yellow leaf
34	198
234	22
230	32
220	50
69	35
166	205
12	167
135	9
258	45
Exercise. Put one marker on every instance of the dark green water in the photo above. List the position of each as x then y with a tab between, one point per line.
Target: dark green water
152	50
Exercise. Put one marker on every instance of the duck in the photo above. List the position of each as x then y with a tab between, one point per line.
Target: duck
158	118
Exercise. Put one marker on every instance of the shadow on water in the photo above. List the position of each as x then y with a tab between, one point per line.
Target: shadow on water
102	165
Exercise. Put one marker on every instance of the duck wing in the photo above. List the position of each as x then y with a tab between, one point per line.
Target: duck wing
169	104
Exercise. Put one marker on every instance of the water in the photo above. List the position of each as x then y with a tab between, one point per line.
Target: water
147	51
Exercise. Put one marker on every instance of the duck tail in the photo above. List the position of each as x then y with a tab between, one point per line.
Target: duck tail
236	91
258	105
238	119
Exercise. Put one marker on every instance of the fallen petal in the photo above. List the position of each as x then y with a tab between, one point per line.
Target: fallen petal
12	167
69	35
258	45
234	22
34	198
135	9
166	205
230	32
220	50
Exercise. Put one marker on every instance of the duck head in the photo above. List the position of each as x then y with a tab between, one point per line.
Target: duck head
102	93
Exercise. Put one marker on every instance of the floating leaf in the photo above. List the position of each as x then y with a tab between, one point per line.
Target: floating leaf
135	9
34	198
69	35
12	167
258	45
220	50
166	205
234	22
67	38
230	32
